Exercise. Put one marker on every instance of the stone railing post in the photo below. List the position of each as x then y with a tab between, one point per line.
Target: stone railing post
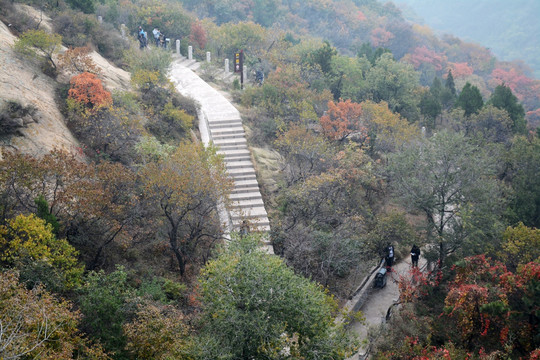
226	65
178	47
100	19
245	74
208	56
190	52
123	30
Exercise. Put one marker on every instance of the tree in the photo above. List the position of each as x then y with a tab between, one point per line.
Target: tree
343	120
86	6
491	124
521	170
452	182
102	302
430	108
39	44
394	83
28	239
157	332
520	245
86	89
503	98
470	99
77	60
186	187
322	57
35	324
449	84
254	307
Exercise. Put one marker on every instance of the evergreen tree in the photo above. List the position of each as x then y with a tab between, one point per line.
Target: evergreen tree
86	6
44	213
436	87
503	98
470	99
450	85
430	108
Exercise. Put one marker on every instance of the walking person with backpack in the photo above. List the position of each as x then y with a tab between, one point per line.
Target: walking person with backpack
415	254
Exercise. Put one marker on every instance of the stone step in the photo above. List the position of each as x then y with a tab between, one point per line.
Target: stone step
242	190
247	204
235	153
215	125
238	164
262	221
195	66
241	171
238	158
246	195
217	119
231	147
187	63
228	136
258	212
228	130
243	177
244	184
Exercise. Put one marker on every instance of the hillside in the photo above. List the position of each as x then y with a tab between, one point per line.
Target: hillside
510	29
366	140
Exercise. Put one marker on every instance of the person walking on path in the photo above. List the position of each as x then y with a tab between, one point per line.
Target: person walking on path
415	254
141	36
156	35
389	256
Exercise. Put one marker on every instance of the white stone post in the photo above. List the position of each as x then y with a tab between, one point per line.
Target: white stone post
226	65
208	56
123	30
245	74
178	46
100	19
190	52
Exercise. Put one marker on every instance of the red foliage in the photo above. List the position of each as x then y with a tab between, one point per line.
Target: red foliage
342	120
87	89
460	70
520	84
380	36
423	55
198	35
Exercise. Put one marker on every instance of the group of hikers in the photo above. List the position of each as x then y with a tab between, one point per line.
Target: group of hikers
389	256
159	38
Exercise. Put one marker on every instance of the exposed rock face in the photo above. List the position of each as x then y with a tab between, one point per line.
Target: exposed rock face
23	82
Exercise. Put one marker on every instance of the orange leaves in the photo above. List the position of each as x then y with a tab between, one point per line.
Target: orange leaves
343	120
422	55
88	90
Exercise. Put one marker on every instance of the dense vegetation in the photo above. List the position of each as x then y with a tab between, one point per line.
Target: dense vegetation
385	133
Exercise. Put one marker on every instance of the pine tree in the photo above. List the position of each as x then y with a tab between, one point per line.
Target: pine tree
450	85
470	99
503	98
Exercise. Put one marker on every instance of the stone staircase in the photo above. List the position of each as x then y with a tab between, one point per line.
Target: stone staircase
221	124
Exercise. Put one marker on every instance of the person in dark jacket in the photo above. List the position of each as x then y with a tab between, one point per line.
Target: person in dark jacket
415	254
389	256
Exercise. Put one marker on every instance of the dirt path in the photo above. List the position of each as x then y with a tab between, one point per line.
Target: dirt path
378	303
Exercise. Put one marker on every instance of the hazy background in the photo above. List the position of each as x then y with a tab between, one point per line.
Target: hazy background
510	28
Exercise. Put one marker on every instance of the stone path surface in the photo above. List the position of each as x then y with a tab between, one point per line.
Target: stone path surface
378	302
221	124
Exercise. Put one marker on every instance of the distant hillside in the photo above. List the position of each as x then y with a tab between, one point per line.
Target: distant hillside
509	28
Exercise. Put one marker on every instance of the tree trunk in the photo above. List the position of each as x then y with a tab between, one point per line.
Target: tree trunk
174	246
441	254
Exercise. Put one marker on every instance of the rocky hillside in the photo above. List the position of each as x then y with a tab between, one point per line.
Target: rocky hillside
39	123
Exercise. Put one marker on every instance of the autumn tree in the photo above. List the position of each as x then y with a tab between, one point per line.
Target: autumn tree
39	44
26	241
77	60
87	90
490	124
198	35
503	98
343	120
35	324
470	99
157	332
452	183
520	245
387	131
186	187
254	306
304	151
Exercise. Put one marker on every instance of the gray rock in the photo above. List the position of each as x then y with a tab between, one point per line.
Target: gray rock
27	119
14	123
